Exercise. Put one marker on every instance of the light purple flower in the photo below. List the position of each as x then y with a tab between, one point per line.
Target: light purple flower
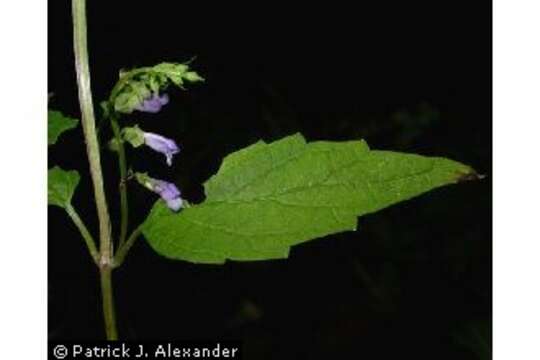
153	104
168	192
161	144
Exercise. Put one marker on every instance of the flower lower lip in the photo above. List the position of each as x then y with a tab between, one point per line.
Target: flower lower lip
162	144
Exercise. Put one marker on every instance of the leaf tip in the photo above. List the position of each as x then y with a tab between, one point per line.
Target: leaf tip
470	175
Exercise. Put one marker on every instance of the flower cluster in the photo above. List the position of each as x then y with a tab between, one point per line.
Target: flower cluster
168	147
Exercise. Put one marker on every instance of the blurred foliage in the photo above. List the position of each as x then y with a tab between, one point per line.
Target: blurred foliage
476	336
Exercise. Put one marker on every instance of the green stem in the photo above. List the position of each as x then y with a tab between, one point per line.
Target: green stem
123	250
92	149
89	124
108	302
88	239
124	214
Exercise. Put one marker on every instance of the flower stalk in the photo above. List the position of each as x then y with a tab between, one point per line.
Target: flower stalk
124	206
124	249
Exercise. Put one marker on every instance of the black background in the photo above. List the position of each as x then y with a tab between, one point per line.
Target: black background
414	280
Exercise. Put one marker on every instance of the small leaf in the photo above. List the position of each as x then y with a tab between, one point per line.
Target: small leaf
61	186
193	76
57	124
268	197
175	72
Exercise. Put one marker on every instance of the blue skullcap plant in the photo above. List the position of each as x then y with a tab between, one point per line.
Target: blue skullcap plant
263	200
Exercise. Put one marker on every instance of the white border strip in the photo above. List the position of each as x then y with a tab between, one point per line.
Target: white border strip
516	179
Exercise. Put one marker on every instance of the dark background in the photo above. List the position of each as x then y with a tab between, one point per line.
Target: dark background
413	281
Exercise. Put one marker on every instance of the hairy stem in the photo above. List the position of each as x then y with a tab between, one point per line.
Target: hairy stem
124	214
123	250
88	239
92	149
89	124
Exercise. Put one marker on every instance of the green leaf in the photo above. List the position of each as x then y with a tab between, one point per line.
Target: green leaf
268	197
57	124
135	85
174	72
61	186
192	76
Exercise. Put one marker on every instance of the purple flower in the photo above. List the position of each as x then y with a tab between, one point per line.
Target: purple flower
153	104
168	192
161	144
